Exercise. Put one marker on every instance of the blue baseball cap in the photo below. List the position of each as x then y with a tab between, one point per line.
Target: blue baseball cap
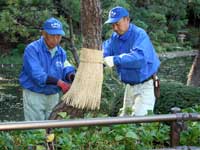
53	27
116	14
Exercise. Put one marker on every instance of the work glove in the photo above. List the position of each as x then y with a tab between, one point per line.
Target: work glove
64	86
109	61
71	77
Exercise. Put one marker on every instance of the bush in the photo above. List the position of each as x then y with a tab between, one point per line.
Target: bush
174	94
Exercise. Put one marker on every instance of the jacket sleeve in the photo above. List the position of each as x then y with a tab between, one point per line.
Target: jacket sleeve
140	54
68	70
106	46
32	66
133	59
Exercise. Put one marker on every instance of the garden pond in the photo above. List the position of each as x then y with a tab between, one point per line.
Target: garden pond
11	104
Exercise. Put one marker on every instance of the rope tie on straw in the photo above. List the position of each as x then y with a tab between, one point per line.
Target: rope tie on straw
95	62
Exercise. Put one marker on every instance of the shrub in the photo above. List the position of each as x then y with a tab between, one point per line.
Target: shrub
174	94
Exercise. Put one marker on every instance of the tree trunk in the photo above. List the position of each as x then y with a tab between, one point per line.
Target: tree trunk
91	26
194	74
91	23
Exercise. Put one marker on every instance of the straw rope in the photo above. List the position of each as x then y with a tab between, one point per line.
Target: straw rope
85	92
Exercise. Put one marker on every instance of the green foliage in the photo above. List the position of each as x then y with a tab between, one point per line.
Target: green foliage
194	12
162	20
115	137
112	94
15	140
158	15
174	94
175	69
191	136
11	59
118	137
141	24
22	22
193	36
71	8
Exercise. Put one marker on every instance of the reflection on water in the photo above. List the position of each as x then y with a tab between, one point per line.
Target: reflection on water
11	105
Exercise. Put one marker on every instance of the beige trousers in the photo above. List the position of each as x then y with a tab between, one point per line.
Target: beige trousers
38	106
138	99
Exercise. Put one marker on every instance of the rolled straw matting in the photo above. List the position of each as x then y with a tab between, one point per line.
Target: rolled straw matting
85	92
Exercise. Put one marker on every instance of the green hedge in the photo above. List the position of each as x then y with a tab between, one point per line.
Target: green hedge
174	94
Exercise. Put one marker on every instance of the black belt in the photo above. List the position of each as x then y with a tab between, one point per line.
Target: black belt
151	77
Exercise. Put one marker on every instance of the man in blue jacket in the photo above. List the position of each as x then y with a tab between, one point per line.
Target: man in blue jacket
45	72
130	50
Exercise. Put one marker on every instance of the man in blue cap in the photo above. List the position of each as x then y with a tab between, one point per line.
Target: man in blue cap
130	50
45	72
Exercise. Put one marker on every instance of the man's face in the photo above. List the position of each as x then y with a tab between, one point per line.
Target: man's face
121	26
51	40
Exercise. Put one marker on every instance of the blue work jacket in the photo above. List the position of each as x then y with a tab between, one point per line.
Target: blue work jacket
38	64
134	55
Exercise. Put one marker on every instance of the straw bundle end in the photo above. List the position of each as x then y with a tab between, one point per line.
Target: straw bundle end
85	92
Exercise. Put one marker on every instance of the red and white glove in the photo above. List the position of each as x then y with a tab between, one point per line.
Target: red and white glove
64	86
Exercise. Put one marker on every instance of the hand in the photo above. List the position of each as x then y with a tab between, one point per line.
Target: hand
109	61
64	86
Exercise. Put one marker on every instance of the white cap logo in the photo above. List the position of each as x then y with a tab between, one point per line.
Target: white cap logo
112	14
55	25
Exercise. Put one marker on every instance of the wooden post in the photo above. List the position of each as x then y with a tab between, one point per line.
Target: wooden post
176	128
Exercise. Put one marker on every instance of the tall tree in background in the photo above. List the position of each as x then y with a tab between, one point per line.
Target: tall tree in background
91	23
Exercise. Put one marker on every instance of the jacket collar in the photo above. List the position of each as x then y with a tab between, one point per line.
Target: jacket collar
46	47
